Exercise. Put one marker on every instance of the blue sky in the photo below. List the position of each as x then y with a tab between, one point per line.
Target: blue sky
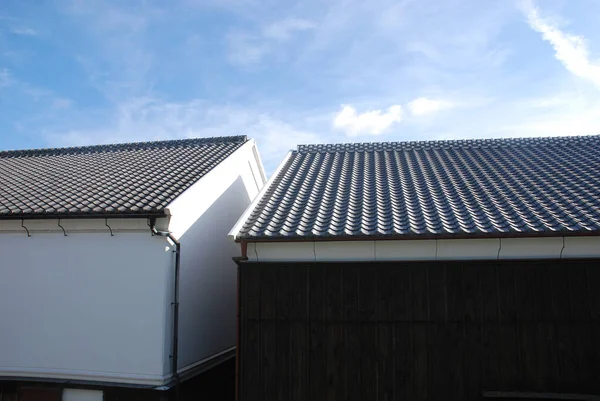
77	72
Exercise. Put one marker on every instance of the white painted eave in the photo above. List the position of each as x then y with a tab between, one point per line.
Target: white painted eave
431	249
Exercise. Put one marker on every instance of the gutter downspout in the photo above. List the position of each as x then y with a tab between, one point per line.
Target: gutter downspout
175	342
238	260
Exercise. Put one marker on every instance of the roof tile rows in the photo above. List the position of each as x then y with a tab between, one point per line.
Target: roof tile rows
131	178
435	189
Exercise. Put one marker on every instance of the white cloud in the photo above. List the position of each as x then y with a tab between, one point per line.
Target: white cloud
422	106
245	49
24	31
570	50
372	122
248	49
283	30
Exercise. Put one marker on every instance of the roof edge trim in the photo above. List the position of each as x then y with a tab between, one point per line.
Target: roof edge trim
65	216
233	234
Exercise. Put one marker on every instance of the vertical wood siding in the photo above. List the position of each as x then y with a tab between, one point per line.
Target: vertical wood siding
418	331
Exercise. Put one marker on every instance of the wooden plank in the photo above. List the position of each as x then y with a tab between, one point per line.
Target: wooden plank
491	347
404	369
268	291
299	361
419	292
593	286
251	282
299	293
333	292
528	357
39	394
385	366
439	354
547	359
472	361
489	290
268	358
567	358
543	291
421	361
352	366
350	293
507	354
386	289
471	291
402	308
507	306
455	298
282	357
335	343
580	305
525	291
284	287
317	360
438	311
455	349
367	295
251	370
368	361
559	305
316	301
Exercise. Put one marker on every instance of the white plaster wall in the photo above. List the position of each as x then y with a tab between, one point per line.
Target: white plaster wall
87	306
201	218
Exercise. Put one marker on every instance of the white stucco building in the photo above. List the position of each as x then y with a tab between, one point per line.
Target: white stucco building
93	295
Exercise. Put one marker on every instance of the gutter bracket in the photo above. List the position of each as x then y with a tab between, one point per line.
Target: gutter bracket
64	232
23	225
106	224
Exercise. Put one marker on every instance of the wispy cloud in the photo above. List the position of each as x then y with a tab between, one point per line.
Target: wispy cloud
422	106
571	50
372	122
283	30
24	31
247	48
5	78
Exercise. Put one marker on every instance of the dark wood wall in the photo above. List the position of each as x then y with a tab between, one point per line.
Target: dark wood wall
418	331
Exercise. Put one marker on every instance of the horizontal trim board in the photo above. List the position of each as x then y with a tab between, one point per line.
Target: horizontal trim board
83	377
442	249
541	396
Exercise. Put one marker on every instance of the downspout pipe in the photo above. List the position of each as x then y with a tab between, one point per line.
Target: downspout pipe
175	342
238	260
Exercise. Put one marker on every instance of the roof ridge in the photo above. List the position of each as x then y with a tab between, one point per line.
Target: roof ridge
114	147
444	143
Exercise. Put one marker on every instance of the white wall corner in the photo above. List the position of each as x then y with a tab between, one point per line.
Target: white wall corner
581	247
334	251
274	251
251	252
259	163
233	233
466	249
531	248
405	250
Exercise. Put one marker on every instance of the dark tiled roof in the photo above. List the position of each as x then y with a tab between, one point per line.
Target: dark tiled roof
130	178
456	188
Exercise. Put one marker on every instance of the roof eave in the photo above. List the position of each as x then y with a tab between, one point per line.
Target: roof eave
105	215
422	236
